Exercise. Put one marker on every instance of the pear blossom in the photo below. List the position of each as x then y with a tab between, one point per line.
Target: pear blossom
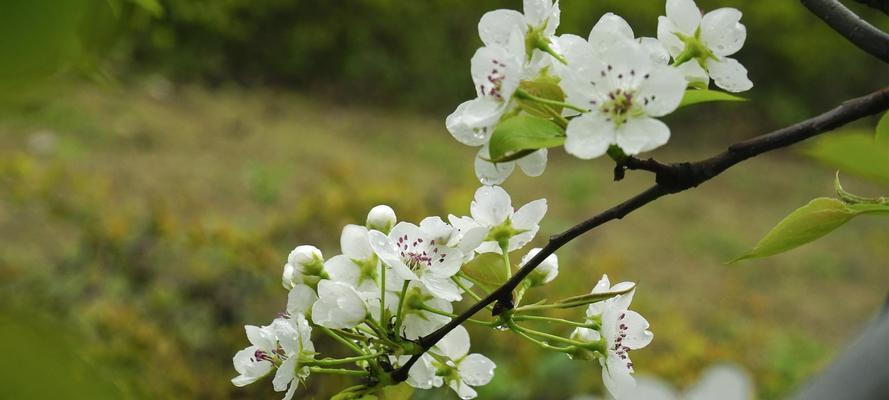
460	370
418	321
545	272
255	361
492	208
300	299
612	28
623	90
701	45
422	373
381	218
339	306
464	235
604	286
540	17
305	264
357	267
623	330
294	336
414	254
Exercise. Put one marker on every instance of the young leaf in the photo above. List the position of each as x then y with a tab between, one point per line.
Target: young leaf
524	132
546	89
882	135
853	152
807	223
695	96
487	268
591	298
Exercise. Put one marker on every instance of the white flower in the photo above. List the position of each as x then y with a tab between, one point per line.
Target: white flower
701	46
623	330
422	373
300	299
545	272
414	254
255	361
542	16
381	218
492	208
418	321
463	234
357	266
461	371
339	306
622	90
305	264
604	286
295	339
489	173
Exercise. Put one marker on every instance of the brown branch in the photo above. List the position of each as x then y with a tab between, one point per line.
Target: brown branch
882	5
670	178
851	26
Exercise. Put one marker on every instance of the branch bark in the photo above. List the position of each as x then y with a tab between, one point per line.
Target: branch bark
669	178
882	5
851	26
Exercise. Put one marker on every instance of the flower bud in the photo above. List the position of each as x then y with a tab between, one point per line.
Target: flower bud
381	218
305	264
545	272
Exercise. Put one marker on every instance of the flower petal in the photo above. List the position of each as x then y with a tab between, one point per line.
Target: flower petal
662	91
729	74
722	32
642	134
463	390
300	299
354	243
666	34
656	50
471	123
442	287
529	216
638	335
694	74
342	269
685	14
609	26
263	338
495	72
489	173
387	251
491	205
285	374
455	344
617	377
495	26
476	369
589	135
533	164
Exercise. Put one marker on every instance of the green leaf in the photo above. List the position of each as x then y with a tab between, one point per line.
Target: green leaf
524	132
590	298
544	88
487	268
854	153
695	96
400	391
882	135
807	223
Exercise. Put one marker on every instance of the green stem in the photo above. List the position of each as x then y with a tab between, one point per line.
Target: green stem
504	248
522	94
452	315
551	319
383	319
337	371
340	339
515	328
329	362
399	317
529	331
543	44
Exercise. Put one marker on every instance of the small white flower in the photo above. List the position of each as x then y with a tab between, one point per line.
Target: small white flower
542	16
295	339
492	208
702	44
255	361
545	272
339	306
604	286
416	255
463	234
623	90
461	371
623	330
305	264
381	218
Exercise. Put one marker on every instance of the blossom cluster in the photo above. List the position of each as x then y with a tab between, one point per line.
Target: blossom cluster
604	92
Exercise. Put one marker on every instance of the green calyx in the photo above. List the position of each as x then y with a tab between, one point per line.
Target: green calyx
694	50
502	233
535	39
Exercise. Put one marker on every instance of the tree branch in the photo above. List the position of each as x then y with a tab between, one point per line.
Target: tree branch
851	26
882	5
670	178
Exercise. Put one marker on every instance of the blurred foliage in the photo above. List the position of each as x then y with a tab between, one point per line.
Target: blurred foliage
152	221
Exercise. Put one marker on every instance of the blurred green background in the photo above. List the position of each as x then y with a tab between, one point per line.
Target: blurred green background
159	159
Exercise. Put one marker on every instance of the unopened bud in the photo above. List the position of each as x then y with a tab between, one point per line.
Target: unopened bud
381	218
545	272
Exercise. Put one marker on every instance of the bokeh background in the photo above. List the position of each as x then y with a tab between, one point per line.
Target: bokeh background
159	159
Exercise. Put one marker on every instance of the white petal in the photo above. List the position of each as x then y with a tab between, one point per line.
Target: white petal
622	302
354	243
642	134
529	215
444	288
476	369
263	338
339	306
662	91
617	377
342	269
611	24
300	299
387	251
421	373
722	32
455	344
435	227
576	50
285	374
463	390
724	382
495	61
290	392
495	26
533	164
471	123
489	173
491	205
589	136
684	14
638	335
729	74
666	34
694	73
656	50
417	325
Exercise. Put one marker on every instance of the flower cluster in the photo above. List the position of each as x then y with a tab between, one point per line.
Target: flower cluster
603	94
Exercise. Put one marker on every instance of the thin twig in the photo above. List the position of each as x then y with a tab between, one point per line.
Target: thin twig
845	22
677	178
